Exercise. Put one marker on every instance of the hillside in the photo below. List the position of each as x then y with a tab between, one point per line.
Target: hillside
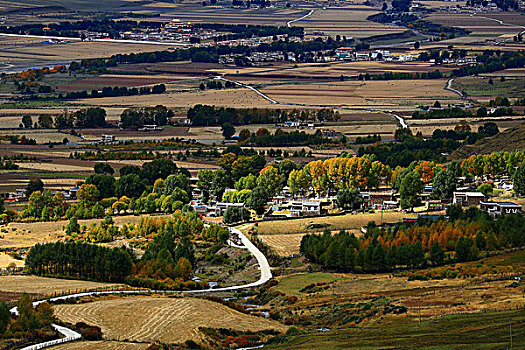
509	140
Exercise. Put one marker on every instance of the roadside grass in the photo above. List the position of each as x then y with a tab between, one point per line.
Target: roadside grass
465	331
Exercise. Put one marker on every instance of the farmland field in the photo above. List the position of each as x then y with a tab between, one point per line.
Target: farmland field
371	94
170	320
479	87
347	221
45	286
349	20
101	344
284	244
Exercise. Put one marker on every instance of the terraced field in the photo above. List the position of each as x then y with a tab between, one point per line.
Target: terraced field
169	320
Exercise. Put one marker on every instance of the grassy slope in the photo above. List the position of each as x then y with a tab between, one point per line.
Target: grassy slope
509	140
469	331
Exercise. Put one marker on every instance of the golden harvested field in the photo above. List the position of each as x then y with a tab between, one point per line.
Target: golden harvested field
368	95
5	260
46	286
239	98
169	320
22	50
483	27
102	344
54	167
284	245
438	4
41	136
281	72
347	221
347	20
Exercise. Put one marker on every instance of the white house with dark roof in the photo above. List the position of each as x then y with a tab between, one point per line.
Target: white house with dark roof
498	208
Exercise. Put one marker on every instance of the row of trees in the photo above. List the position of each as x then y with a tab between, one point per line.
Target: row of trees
80	260
83	118
201	115
137	117
263	137
466	235
458	113
401	76
109	91
490	62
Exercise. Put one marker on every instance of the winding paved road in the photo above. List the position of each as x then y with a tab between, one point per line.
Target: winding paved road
449	87
70	335
289	23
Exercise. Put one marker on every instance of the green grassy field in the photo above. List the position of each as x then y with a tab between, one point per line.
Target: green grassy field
292	284
467	331
512	87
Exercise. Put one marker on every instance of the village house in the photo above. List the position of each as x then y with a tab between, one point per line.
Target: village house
496	209
107	138
299	208
468	198
377	200
221	207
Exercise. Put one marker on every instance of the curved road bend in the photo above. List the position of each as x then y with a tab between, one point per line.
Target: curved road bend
449	87
289	23
70	335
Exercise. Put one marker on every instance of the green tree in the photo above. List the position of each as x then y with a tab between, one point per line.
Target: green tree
486	189
269	179
444	184
519	180
228	130
417	255
379	258
437	256
462	249
258	199
104	168
72	226
34	184
349	199
235	214
45	121
177	181
27	121
130	186
88	195
411	186
104	183
204	183
5	317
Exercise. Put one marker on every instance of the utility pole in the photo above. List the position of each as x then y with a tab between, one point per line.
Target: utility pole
419	313
510	328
